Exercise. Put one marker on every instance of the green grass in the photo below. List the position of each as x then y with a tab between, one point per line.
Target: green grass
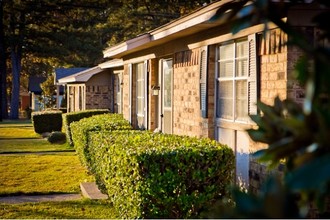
17	131
41	174
6	123
30	145
81	209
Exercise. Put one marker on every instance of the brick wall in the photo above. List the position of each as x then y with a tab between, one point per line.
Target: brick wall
187	118
126	110
273	66
276	79
273	73
152	99
99	97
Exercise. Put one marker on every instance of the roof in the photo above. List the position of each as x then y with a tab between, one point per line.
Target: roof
192	23
34	84
65	72
85	75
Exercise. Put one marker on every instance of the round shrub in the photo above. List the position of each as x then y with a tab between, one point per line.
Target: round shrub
57	137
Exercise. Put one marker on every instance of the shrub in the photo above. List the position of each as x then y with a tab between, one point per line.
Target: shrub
152	175
68	118
80	129
47	121
57	137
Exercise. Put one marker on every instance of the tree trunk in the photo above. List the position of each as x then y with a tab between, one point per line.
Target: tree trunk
16	68
3	73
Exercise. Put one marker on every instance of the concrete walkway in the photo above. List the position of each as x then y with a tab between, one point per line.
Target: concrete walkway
39	198
88	190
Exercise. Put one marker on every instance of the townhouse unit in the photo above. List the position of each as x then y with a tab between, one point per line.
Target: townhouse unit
194	77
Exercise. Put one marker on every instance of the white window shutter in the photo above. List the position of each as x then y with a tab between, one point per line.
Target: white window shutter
130	73
252	78
203	81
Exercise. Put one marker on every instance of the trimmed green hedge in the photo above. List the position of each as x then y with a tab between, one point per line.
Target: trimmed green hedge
152	175
68	118
80	129
47	121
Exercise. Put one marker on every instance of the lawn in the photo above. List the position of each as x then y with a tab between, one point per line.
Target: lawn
30	145
17	132
81	209
41	174
17	129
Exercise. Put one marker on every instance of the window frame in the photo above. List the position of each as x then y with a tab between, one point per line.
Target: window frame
233	79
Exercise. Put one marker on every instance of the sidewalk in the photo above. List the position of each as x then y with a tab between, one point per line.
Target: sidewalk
39	198
89	190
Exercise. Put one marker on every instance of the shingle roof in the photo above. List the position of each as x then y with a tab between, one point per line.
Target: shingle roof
34	84
64	72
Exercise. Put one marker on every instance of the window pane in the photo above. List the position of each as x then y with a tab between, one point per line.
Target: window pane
226	62
227	52
241	100
241	59
140	88
226	68
225	100
167	87
241	67
140	106
242	49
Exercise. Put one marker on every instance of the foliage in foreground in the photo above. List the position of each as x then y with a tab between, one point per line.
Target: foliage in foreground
80	209
294	134
152	175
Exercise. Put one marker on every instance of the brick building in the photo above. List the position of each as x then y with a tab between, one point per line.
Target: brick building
194	77
95	88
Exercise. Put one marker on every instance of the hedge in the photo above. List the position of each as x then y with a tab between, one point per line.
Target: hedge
68	118
47	121
153	175
80	129
56	137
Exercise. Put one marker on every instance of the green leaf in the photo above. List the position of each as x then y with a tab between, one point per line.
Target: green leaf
310	176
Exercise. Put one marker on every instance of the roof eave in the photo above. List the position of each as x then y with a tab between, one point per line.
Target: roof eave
174	28
111	64
128	45
83	76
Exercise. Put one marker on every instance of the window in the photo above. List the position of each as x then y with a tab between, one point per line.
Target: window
232	81
236	82
140	101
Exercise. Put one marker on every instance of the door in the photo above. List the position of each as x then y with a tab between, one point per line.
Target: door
166	96
141	95
119	91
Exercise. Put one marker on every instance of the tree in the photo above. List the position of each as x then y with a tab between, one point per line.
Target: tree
48	91
49	33
42	35
131	18
3	102
296	136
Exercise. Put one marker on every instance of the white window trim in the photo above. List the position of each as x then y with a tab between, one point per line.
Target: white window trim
233	79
